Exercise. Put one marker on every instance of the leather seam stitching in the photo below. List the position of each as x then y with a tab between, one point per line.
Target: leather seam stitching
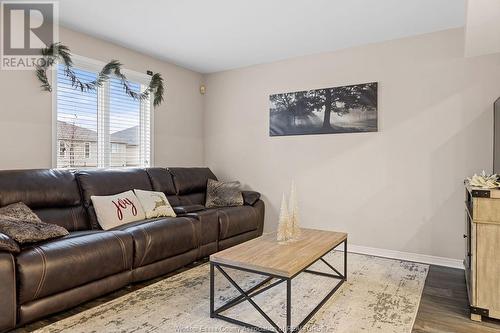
44	271
198	235
122	245
254	211
148	245
73	218
226	228
195	234
218	229
14	312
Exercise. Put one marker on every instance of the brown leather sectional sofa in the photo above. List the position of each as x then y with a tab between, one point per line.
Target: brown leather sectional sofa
53	276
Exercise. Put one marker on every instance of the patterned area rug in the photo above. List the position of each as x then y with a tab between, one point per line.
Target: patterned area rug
381	295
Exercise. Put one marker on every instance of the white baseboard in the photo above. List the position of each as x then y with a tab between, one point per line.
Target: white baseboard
407	256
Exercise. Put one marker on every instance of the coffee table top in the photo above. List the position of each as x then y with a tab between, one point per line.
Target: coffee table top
265	254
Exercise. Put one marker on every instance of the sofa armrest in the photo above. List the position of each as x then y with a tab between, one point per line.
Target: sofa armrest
250	197
182	210
8	307
7	244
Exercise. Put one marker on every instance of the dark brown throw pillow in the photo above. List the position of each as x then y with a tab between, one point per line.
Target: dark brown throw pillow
23	226
223	194
8	244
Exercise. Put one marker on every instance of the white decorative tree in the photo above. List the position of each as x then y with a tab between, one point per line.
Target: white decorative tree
294	213
284	231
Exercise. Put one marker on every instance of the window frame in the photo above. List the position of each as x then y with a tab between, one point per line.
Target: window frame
96	65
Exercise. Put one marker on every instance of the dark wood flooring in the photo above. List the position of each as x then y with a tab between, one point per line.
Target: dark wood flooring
443	308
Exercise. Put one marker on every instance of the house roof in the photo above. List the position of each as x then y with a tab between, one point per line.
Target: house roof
130	136
67	131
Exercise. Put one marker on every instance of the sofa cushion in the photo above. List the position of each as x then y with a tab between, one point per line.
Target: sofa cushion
71	261
189	199
8	298
109	182
191	180
237	220
182	210
112	181
161	180
209	225
73	218
52	194
39	188
161	238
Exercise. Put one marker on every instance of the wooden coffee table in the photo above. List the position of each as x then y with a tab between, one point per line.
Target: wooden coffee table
279	263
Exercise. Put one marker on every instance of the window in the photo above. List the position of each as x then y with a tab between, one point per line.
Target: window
87	149
62	149
105	127
115	148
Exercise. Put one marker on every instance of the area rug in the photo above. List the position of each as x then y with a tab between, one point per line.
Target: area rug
381	295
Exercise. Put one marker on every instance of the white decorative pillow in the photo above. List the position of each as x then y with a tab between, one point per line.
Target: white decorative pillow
155	204
118	209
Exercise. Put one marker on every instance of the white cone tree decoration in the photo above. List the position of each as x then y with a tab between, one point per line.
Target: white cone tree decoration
294	213
284	231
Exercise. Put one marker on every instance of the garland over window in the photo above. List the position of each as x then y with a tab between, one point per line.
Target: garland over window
57	51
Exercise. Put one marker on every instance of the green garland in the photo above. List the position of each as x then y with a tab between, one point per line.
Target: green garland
57	51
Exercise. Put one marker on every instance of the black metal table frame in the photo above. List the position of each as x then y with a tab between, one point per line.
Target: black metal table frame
247	295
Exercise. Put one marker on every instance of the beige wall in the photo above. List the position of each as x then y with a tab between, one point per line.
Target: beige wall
26	111
482	27
400	188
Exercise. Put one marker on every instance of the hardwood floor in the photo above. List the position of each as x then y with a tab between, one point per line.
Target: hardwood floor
443	308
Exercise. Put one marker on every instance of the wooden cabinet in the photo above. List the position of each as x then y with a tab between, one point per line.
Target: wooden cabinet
482	256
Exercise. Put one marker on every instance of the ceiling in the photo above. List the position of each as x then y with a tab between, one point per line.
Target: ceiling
215	35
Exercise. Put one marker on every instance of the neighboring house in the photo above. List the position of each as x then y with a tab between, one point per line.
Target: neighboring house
77	146
125	143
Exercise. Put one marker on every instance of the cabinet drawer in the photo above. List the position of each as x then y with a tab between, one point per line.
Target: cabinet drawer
486	210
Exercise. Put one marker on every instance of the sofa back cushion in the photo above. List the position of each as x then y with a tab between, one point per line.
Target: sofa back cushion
191	184
162	181
108	182
52	194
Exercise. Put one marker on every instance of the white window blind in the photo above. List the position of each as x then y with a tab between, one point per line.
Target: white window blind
102	128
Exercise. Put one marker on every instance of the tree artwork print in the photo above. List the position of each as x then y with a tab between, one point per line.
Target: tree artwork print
346	109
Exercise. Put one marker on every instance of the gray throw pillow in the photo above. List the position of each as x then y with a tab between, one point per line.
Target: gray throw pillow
20	211
223	194
23	226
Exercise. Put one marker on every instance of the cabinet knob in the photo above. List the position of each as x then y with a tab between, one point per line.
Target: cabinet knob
465	236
